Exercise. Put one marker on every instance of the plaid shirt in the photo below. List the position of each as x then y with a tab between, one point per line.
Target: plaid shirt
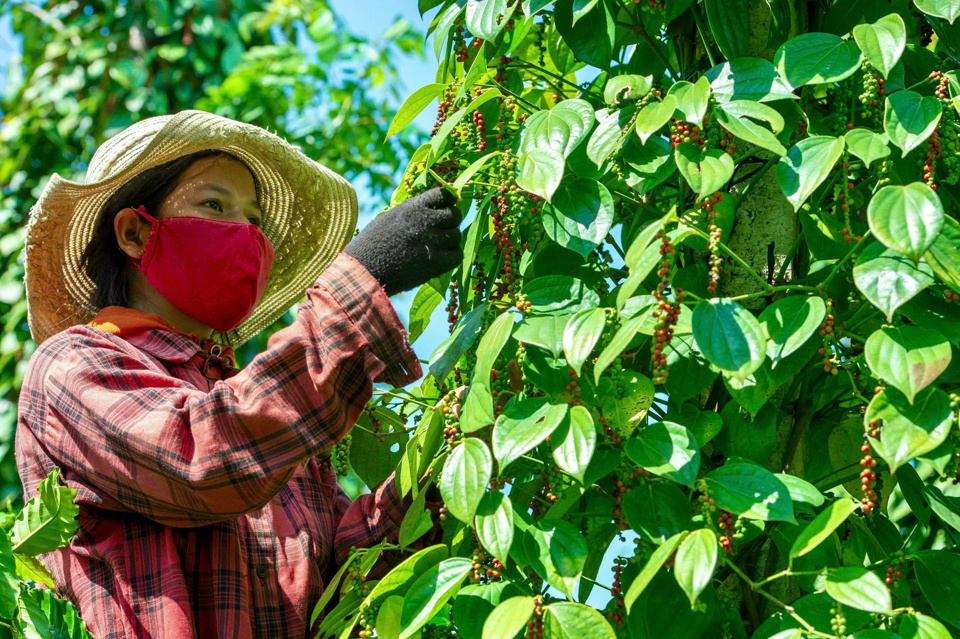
203	511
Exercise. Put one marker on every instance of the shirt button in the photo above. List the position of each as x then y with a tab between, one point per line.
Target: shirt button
261	571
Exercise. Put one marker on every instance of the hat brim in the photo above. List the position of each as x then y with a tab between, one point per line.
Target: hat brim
310	213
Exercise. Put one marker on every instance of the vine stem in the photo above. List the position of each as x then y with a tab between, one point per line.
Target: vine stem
836	267
790	610
703	37
774	289
767	288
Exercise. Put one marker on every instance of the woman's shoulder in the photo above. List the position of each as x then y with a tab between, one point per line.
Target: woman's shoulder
64	350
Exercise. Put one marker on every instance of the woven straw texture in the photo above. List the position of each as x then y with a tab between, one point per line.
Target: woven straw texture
310	214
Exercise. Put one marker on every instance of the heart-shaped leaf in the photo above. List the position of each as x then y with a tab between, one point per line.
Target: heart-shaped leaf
749	131
751	491
465	476
817	58
748	79
806	165
574	450
889	279
704	172
696	560
692	99
486	18
654	116
581	335
790	322
859	588
908	430
561	128
668	450
907	357
579	216
494	524
910	118
906	218
539	171
867	145
729	336
522	425
627	87
947	9
882	42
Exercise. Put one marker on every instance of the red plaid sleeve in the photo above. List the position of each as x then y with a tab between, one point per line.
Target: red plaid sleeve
135	438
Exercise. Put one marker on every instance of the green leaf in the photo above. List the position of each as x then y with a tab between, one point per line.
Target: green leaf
9	584
947	509
907	357
399	580
859	588
937	575
946	9
47	521
478	409
569	620
648	165
388	618
817	58
656	561
508	618
729	336
657	511
748	79
619	342
625	404
918	626
428	594
751	439
806	165
63	619
561	551
883	41
822	526
539	171
889	279
466	473
467	175
594	36
654	116
445	21
909	431
912	488
751	491
580	215
645	238
474	604
373	460
426	300
561	128
696	561
666	449
446	355
704	172
486	18
545	331
910	118
867	145
581	335
692	99
416	521
495	524
906	218
730	25
30	568
522	425
609	135
626	87
559	294
749	131
413	105
575	450
944	254
756	111
801	491
789	323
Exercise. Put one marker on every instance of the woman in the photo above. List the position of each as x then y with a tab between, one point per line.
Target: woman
203	510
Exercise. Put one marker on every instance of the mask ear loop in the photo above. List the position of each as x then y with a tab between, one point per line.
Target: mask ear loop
142	211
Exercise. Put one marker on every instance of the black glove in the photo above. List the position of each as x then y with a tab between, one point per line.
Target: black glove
411	243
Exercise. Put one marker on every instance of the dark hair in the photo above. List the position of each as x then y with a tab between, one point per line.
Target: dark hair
102	260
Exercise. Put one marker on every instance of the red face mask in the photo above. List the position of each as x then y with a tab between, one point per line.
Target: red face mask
215	271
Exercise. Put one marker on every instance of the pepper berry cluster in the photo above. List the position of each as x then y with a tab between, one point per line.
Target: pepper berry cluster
616	591
535	625
485	568
893	574
341	455
725	523
667	313
867	476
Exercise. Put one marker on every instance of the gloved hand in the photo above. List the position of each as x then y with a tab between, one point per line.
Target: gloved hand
411	243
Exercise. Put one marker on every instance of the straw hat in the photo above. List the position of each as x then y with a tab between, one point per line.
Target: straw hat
309	211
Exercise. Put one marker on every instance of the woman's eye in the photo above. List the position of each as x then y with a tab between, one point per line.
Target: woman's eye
215	202
254	220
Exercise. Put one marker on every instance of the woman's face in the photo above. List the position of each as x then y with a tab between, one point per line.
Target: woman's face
218	188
